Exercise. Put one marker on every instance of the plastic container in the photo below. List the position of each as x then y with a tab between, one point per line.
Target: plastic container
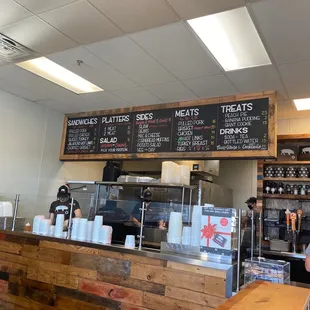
279	245
270	270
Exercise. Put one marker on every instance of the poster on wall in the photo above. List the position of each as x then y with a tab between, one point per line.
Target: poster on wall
215	235
287	152
304	153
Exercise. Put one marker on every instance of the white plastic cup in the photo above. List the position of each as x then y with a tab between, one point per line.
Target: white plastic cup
97	225
89	233
44	227
82	232
59	225
36	223
105	236
52	231
75	228
130	242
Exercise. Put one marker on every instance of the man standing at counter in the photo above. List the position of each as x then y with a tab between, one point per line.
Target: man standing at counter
63	205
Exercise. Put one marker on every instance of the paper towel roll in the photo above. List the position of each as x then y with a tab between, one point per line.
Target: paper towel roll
89	234
82	232
186	235
75	228
59	225
36	223
196	226
96	230
175	227
44	227
105	236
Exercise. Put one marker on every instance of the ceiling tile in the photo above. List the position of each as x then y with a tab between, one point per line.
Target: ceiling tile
95	101
178	50
126	56
211	86
38	36
172	91
58	106
40	6
93	69
296	78
81	22
194	8
137	96
284	26
11	12
137	15
32	83
257	79
20	91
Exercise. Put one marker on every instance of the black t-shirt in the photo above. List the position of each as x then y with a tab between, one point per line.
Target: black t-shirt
58	207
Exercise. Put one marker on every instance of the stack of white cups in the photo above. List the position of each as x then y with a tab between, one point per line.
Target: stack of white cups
36	223
89	233
44	227
96	230
175	228
196	226
82	232
186	235
52	231
75	228
105	235
59	225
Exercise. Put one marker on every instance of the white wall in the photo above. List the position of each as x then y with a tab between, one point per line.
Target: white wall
30	138
241	177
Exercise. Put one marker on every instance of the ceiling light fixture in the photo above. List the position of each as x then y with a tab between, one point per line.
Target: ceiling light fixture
57	74
232	39
302	104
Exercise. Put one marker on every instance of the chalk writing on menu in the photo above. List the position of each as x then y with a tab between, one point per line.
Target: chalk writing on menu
81	135
115	133
195	129
152	131
243	126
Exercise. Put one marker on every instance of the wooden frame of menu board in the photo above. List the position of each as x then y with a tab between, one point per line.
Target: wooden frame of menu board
268	152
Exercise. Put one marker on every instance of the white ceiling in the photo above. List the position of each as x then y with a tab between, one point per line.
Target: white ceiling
143	52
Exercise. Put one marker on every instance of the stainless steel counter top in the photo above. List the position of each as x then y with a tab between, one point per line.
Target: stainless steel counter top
151	253
285	254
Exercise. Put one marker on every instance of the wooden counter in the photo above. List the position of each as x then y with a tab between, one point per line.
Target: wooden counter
269	296
42	273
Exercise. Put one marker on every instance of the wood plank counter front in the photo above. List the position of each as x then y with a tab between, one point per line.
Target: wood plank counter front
43	273
268	296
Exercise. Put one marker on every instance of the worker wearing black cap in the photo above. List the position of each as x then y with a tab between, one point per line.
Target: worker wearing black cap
63	205
252	204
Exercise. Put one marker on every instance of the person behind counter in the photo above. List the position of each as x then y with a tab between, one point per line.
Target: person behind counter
307	264
63	205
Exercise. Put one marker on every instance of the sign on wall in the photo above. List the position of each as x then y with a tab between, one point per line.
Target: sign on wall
196	129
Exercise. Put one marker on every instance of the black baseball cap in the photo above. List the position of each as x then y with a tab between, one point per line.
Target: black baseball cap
63	191
251	200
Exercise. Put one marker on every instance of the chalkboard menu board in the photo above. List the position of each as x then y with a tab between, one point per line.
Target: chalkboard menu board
243	126
152	131
179	130
195	129
82	135
115	133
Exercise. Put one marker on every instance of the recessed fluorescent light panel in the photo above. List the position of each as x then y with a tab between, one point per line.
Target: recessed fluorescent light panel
232	39
302	104
59	75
